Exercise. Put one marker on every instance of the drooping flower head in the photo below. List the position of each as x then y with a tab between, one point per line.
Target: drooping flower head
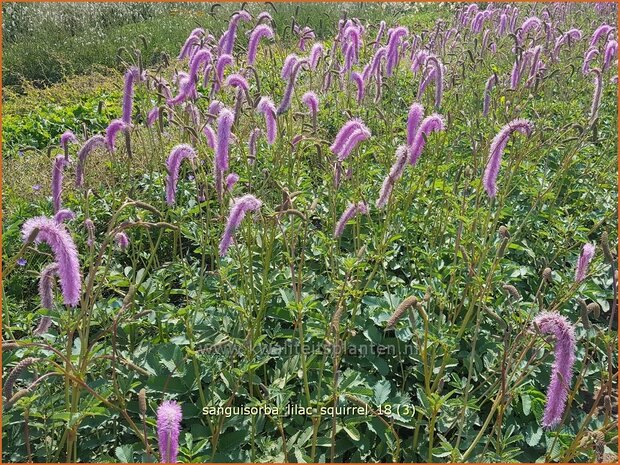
583	263
210	136
267	108
562	370
352	132
192	41
316	53
231	180
173	164
418	60
430	124
531	23
588	56
285	103
112	130
596	96
65	139
375	66
305	35
152	116
214	110
236	80
497	150
121	239
601	31
63	215
202	57
352	210
262	31
46	285
312	101
187	81
91	144
359	83
380	33
287	67
65	254
394	41
611	50
231	33
222	62
240	207
416	112
263	17
169	418
396	172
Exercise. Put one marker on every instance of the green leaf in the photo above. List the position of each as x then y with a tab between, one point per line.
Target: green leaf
526	403
124	453
382	392
533	437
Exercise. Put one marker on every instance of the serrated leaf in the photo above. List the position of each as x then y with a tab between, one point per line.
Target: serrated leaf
382	392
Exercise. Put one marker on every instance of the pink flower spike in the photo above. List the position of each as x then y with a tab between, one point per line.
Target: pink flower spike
583	263
173	164
112	130
169	418
240	207
496	152
65	254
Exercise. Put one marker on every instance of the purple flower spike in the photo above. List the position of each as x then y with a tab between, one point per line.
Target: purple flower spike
562	370
231	180
90	145
352	210
416	112
132	75
587	253
46	285
262	31
316	53
210	135
240	207
601	31
65	254
169	418
112	130
173	164
396	172
358	136
497	150
152	117
432	123
65	138
611	50
64	215
353	131
359	82
267	108
224	126
122	241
